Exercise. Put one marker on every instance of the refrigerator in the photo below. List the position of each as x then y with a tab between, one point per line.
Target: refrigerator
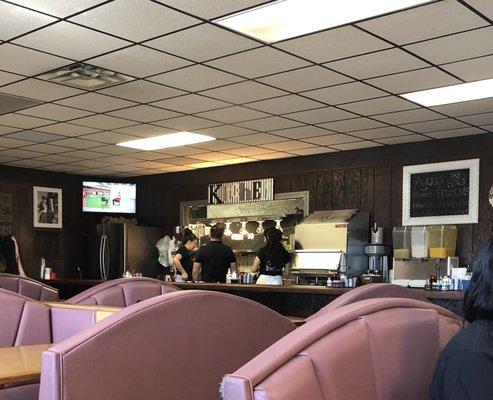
116	248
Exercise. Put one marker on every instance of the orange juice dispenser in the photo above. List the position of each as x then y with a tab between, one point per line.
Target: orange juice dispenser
442	241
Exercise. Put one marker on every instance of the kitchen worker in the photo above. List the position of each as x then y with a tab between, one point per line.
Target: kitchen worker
271	259
183	259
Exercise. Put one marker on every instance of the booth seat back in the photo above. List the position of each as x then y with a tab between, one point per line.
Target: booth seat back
28	287
377	349
122	292
175	346
370	291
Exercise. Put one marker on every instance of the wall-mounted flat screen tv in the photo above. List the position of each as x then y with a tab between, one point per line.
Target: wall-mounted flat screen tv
109	197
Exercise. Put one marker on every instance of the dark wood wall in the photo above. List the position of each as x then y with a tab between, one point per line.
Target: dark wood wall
366	179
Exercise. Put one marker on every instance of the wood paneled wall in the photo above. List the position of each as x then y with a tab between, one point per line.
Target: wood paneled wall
366	179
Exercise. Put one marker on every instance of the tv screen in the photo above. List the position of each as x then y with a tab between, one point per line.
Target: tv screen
107	197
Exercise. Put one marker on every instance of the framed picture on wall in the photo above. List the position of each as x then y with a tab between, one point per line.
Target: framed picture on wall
441	193
47	207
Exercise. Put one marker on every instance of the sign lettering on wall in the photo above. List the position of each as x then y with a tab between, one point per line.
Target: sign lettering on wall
241	192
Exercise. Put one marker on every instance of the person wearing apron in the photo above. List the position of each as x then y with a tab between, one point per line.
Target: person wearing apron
271	259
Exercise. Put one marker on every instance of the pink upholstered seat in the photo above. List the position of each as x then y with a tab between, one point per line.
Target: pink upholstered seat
174	346
28	287
376	349
370	291
122	292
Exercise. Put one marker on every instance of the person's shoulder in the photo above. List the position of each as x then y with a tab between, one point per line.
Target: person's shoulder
475	337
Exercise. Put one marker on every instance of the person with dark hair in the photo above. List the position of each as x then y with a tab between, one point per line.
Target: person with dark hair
11	254
465	367
214	259
271	259
183	260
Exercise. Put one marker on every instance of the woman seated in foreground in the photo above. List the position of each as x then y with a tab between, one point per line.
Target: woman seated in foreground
465	368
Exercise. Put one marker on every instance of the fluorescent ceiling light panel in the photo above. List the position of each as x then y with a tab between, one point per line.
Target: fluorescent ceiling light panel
285	19
167	141
452	94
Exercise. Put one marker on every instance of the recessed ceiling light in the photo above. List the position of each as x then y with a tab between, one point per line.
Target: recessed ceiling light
167	141
285	19
452	94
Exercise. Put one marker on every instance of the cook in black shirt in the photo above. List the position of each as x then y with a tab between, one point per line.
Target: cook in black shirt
465	368
271	259
214	259
183	260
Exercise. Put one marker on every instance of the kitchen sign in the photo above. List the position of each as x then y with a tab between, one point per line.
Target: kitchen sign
241	192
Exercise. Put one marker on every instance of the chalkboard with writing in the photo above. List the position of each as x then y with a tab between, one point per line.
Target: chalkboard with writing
440	193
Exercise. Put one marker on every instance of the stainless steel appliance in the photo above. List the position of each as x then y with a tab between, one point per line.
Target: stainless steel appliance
116	248
379	260
415	272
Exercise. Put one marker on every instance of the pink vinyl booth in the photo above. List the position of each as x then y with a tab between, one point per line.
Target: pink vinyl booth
28	287
175	346
122	292
370	291
376	349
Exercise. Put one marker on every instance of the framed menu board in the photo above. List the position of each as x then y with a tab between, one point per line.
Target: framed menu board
441	193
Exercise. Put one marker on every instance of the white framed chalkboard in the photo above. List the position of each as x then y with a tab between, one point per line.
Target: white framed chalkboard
441	193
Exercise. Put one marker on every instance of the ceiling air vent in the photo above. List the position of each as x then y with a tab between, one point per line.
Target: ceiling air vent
85	76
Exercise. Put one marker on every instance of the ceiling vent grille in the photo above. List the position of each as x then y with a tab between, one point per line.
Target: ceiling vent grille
85	76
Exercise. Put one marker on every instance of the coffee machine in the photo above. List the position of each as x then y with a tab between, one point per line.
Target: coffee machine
378	255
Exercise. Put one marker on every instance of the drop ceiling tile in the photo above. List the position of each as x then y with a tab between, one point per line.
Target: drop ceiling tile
330	140
130	61
409	116
190	103
217	145
66	129
33	136
302	132
436	125
90	164
142	91
61	168
39	90
285	104
273	156
7	129
176	151
346	93
77	143
20	153
353	124
232	114
181	160
116	160
55	112
226	131
403	139
144	113
288	145
456	47
465	108
95	102
12	143
121	168
269	124
356	145
17	20
488	128
258	62
320	115
244	92
436	19
379	133
186	123
333	44
483	6
113	150
94	172
7	77
237	160
136	20
103	122
71	41
202	42
478	119
209	156
46	148
471	70
246	151
23	121
143	130
380	105
305	79
84	154
151	165
414	80
456	133
57	158
377	64
212	9
312	150
59	8
29	163
108	137
20	60
257	139
195	78
206	164
5	158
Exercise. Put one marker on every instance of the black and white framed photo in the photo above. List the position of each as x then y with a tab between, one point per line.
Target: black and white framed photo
47	207
441	193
